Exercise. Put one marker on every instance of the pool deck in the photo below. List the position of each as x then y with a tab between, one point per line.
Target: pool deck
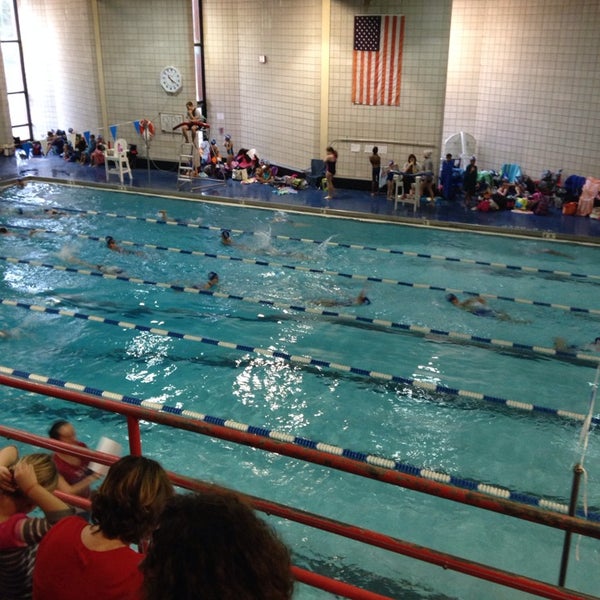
356	203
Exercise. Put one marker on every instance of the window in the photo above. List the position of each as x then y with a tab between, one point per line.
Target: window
14	71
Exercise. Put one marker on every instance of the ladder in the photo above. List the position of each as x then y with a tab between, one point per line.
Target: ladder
188	156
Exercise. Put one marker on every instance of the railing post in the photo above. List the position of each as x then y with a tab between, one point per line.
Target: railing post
135	437
577	472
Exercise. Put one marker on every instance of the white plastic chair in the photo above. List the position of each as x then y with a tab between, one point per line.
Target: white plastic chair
116	161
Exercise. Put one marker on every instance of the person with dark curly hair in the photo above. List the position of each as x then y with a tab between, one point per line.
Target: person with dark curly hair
94	561
212	545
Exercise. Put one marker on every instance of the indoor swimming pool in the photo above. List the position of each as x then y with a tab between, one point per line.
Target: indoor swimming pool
497	398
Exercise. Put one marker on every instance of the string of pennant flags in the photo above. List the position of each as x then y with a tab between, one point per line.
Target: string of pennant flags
114	129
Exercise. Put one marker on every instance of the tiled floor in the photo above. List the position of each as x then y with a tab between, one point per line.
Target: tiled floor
354	201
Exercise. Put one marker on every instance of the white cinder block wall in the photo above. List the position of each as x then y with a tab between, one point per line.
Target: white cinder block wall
523	79
417	122
271	106
519	75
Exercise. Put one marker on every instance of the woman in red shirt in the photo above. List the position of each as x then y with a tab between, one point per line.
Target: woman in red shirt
94	561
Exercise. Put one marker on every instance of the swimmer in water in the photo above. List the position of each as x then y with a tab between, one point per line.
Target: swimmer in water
226	237
111	244
479	307
555	253
362	298
53	213
6	231
561	345
212	281
67	255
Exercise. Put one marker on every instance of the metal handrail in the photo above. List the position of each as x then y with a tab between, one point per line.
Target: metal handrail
136	413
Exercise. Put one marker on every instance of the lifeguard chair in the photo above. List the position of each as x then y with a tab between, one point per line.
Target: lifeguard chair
116	161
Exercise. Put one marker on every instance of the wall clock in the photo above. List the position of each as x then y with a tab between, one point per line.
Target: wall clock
170	79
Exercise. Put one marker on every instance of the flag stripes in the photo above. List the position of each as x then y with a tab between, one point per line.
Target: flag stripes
377	60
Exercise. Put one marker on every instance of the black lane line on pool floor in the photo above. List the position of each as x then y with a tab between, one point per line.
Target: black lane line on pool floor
504	345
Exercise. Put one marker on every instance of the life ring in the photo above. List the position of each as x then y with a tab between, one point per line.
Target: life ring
146	128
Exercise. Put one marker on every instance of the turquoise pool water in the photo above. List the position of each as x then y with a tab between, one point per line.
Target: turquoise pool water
549	290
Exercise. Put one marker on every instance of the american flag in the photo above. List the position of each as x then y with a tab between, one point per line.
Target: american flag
377	60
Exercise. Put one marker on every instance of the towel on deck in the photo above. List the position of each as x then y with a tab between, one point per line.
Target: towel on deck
590	190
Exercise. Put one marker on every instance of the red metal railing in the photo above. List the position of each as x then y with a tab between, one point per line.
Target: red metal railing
135	413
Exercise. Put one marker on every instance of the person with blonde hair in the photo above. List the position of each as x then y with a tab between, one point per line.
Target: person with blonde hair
24	485
93	560
212	545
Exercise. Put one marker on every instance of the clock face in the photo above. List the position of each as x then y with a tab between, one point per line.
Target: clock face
170	79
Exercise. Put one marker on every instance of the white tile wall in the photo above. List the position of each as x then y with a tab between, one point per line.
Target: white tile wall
417	123
520	76
523	79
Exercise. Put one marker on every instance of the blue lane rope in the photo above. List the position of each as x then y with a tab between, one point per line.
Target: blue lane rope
310	361
411	254
394	325
325	448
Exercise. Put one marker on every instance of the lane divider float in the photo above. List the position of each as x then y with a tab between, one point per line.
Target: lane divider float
309	361
331	449
411	254
380	323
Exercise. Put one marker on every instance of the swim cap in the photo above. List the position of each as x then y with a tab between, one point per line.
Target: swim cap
109	239
366	300
450	297
225	233
227	137
212	275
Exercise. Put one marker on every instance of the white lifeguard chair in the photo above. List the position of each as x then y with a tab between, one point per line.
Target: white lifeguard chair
116	161
410	196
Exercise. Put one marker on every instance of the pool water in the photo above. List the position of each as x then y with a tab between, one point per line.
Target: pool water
550	291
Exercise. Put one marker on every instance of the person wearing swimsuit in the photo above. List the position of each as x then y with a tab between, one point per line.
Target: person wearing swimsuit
478	306
330	164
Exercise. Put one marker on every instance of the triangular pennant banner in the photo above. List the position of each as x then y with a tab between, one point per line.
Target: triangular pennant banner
136	124
86	137
113	131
